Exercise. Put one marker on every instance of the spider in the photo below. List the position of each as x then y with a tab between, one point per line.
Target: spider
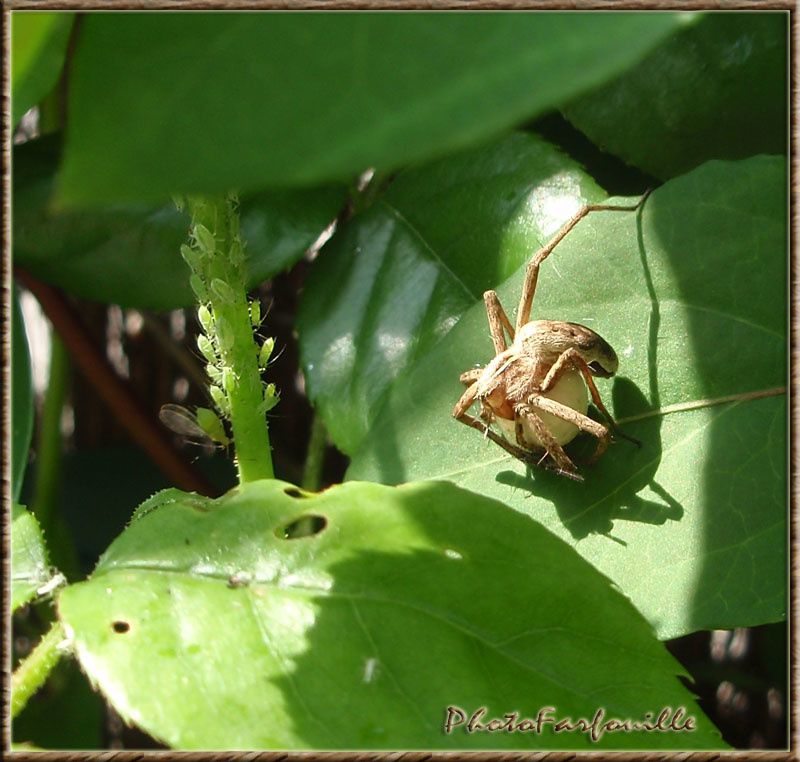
534	389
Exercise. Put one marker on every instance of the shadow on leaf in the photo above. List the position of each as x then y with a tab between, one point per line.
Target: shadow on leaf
627	473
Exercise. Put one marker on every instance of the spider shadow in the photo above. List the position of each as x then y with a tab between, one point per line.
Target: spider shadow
621	486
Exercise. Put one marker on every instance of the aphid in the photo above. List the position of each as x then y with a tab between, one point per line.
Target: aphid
236	253
205	318
204	238
265	352
201	427
219	398
223	291
211	424
228	381
198	287
224	334
255	313
269	400
206	348
214	373
534	390
192	257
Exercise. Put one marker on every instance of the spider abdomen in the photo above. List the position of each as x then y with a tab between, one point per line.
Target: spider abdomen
570	390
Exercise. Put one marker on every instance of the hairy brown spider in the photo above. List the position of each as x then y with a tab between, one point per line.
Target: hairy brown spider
534	390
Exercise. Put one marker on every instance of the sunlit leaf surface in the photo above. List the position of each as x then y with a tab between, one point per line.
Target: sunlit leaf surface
408	268
692	293
208	627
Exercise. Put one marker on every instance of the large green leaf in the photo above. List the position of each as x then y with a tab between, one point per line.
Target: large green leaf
29	565
21	398
717	90
38	47
413	263
130	254
404	601
692	526
172	102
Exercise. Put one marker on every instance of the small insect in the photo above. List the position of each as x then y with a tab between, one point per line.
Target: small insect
535	390
240	579
202	427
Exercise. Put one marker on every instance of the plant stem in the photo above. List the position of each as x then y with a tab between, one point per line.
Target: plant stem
234	340
250	433
315	457
47	483
33	671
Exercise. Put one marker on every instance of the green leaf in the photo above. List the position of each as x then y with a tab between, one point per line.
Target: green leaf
716	90
129	255
163	103
30	569
692	526
410	266
38	48
359	634
21	398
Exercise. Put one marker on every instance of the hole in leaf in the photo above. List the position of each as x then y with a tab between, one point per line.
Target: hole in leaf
120	627
304	526
294	492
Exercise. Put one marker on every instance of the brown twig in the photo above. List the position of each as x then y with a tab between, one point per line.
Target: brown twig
124	405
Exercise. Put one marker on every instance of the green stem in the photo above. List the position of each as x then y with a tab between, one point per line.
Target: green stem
235	343
315	457
33	671
47	484
250	433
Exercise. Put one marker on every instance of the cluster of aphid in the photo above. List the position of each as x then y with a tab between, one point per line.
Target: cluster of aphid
218	301
212	346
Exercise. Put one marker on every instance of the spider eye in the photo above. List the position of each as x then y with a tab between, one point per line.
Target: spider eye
598	370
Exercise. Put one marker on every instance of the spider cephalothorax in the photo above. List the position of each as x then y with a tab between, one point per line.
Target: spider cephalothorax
535	390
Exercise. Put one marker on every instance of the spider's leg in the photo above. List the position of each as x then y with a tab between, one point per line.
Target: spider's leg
598	402
526	456
464	404
563	467
498	320
469	377
465	401
571	359
532	271
529	285
554	449
583	422
460	413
